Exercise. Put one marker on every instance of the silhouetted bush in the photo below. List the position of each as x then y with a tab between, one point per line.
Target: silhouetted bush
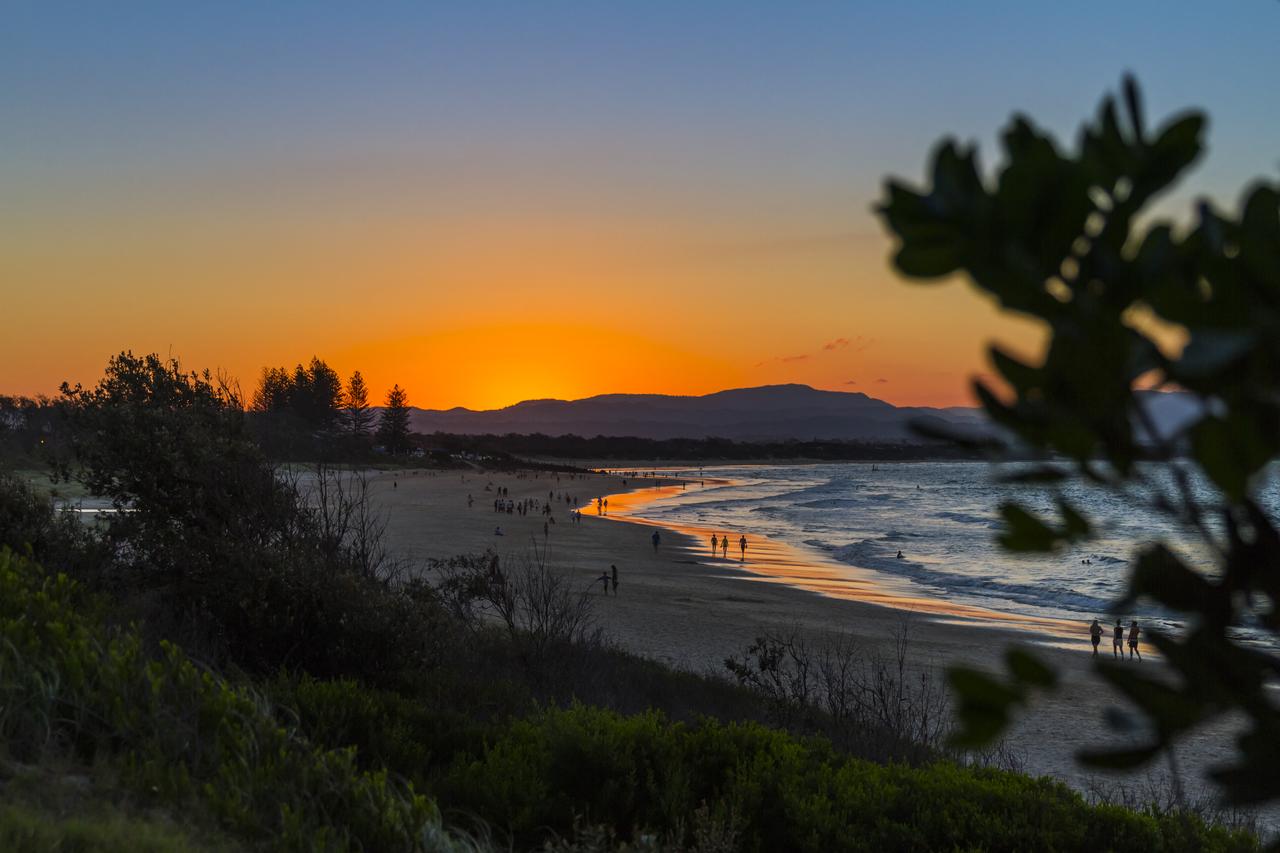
70	686
29	524
643	775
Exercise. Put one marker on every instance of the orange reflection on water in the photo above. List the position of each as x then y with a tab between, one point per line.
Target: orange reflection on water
771	561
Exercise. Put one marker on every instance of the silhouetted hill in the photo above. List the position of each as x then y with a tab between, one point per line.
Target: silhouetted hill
770	412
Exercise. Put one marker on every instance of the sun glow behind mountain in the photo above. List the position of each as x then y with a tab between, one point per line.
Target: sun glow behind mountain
558	201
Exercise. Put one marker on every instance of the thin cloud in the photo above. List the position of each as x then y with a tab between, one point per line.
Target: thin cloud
882	381
851	382
856	344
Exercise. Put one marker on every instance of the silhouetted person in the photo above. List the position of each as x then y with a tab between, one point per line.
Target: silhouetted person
604	581
1095	636
724	543
899	555
742	543
615	578
1117	640
656	539
715	544
1134	631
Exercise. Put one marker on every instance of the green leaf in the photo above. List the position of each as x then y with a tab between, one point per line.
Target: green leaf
1170	709
1212	352
1037	474
1118	759
1176	147
1159	574
1020	375
1027	669
1024	532
933	254
1231	450
1260	237
983	706
1075	525
1133	100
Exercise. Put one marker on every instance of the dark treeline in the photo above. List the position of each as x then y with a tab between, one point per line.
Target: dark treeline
304	414
29	428
631	447
309	413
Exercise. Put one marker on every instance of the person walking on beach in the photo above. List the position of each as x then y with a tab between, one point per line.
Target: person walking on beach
1117	640
604	582
742	543
656	539
715	544
724	543
615	578
1134	631
1095	634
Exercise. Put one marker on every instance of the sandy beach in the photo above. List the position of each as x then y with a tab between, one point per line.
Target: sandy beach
680	605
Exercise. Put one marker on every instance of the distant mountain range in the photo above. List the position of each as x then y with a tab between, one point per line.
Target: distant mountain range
767	413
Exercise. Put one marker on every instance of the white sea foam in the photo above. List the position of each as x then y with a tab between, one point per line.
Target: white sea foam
943	517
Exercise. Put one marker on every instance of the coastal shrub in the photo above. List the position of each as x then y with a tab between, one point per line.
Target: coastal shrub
1074	239
28	829
177	733
642	775
543	614
214	545
873	705
29	524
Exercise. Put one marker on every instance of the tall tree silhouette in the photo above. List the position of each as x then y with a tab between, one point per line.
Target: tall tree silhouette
356	405
317	394
393	427
313	393
274	390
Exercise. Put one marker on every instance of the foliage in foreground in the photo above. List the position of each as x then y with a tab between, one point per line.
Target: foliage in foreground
646	781
180	735
1068	238
773	791
30	829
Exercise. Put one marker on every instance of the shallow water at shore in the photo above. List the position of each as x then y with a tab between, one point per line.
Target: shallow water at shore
844	526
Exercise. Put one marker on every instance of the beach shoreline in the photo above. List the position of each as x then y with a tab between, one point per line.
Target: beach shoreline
676	606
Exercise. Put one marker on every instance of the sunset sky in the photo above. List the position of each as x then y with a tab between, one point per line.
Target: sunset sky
489	202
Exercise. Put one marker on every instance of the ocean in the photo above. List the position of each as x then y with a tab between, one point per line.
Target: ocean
943	517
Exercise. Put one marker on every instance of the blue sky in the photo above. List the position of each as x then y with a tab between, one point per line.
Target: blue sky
150	139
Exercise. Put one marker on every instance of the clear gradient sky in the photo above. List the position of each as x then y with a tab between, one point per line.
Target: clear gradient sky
487	202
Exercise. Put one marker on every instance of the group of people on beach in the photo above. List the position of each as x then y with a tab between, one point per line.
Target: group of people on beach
1117	638
722	544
